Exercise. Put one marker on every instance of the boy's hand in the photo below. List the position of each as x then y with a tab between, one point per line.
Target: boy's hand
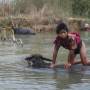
67	65
52	65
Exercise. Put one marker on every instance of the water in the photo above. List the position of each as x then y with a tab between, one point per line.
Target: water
15	75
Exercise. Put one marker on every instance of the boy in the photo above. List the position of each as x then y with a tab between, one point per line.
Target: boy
72	42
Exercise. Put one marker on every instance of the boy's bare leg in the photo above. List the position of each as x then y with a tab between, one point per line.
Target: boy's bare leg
83	55
71	59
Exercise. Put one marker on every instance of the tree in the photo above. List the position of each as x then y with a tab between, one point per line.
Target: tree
81	8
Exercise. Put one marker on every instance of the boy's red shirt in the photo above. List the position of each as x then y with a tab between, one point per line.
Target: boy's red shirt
65	42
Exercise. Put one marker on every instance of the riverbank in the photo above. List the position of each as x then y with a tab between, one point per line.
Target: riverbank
43	23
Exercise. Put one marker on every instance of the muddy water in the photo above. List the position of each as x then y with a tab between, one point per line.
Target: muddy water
15	75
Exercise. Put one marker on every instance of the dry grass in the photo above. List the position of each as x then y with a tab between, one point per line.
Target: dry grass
43	20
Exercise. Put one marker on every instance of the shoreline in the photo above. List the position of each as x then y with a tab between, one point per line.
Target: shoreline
43	24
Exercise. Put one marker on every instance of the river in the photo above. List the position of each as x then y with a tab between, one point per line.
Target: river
15	75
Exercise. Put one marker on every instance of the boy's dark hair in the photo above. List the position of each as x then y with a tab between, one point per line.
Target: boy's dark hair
61	26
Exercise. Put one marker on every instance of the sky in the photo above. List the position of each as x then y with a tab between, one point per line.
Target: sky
5	0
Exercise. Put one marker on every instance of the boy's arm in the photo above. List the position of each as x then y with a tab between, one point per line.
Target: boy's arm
55	52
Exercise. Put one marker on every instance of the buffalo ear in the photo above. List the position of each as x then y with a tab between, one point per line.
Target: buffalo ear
29	58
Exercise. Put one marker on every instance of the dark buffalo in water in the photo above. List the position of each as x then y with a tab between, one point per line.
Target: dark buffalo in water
23	31
38	61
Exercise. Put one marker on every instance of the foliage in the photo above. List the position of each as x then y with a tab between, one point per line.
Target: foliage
81	8
61	7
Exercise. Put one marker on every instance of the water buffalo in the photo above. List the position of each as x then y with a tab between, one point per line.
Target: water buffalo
23	31
38	61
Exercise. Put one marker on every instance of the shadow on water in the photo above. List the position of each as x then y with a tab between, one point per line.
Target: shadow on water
62	79
72	79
